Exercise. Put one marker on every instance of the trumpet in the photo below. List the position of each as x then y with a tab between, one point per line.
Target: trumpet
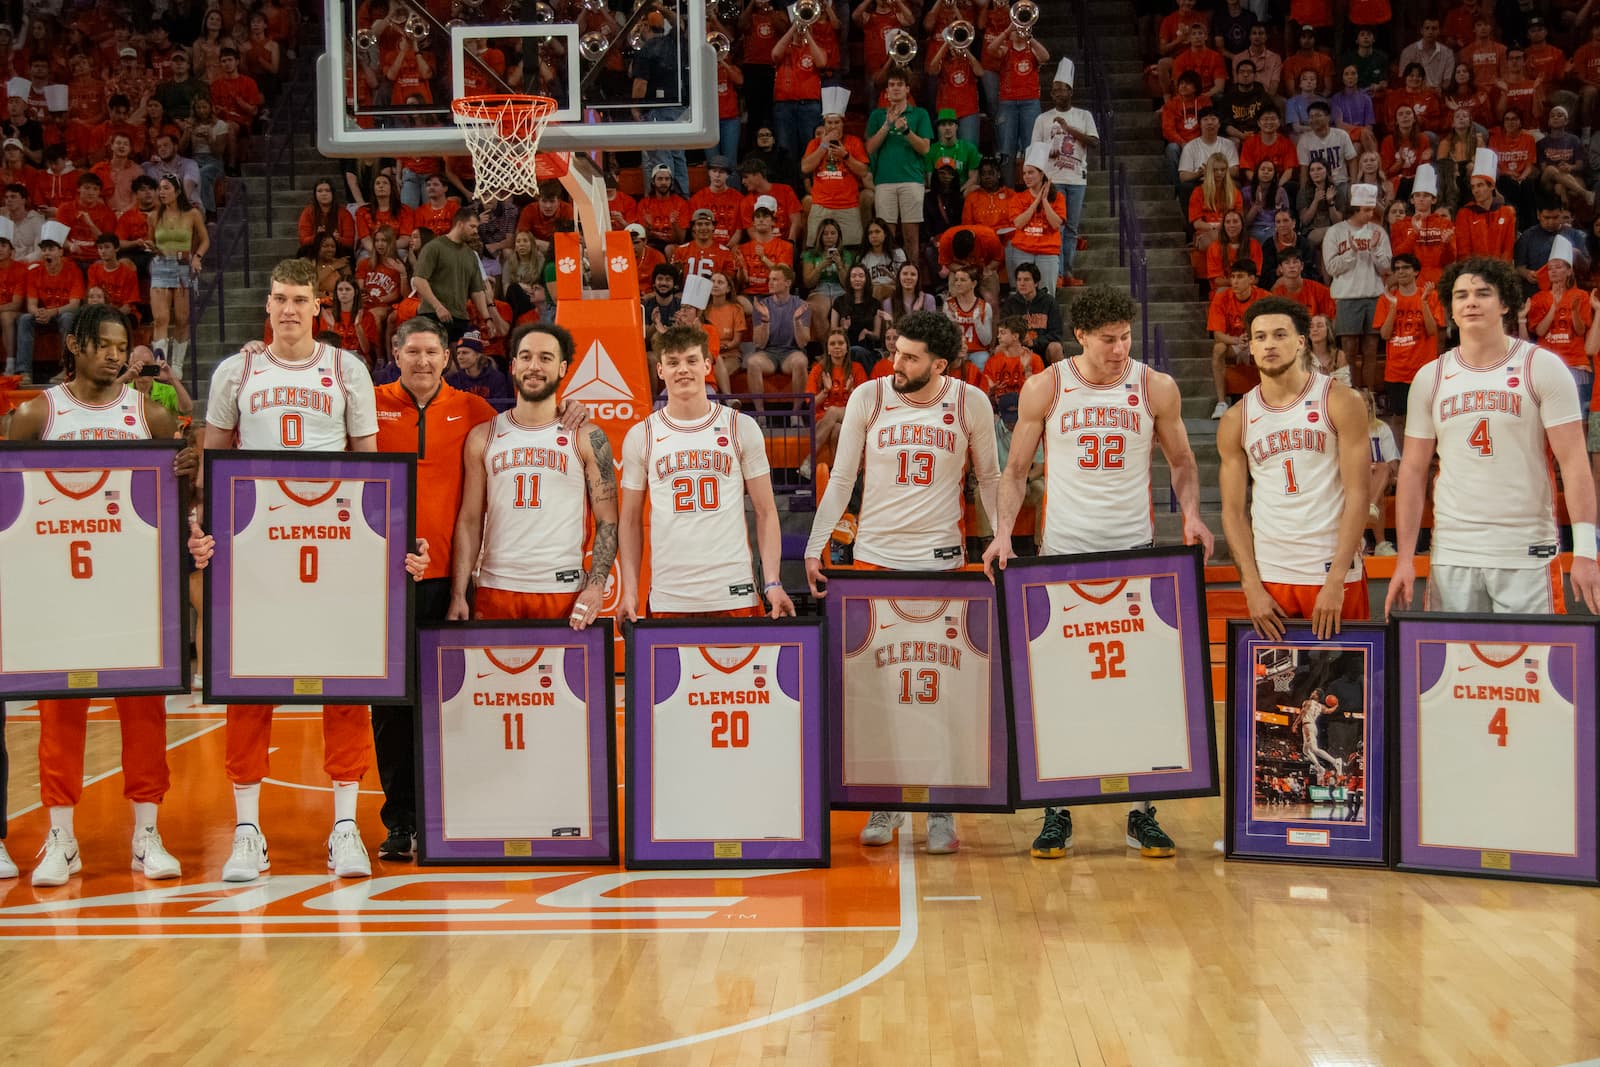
595	5
958	35
807	11
543	13
366	40
902	47
592	45
721	43
1024	13
416	29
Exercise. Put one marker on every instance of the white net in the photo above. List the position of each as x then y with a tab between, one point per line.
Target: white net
502	133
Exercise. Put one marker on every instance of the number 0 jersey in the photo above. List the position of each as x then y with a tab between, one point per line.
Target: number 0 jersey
70	419
1494	498
1297	494
318	405
537	509
1097	449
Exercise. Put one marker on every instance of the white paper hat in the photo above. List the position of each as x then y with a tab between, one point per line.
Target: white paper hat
1485	164
54	231
1363	196
1426	180
19	87
835	98
8	229
55	97
1038	155
696	291
1561	249
1064	71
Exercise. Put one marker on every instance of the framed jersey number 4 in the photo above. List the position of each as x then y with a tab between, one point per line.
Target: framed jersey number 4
307	599
91	584
1110	677
1496	746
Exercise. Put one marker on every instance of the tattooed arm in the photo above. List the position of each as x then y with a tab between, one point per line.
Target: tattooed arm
601	472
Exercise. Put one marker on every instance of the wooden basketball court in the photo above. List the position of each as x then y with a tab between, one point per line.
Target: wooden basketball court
890	957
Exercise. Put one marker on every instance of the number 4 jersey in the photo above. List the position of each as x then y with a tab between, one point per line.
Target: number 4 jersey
1107	672
310	589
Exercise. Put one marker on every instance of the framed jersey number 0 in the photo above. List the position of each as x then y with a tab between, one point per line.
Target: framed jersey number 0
91	586
307	599
1110	677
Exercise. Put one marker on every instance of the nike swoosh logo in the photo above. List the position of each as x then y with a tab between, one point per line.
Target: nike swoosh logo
500	435
1069	389
1068	607
1257	419
489	675
1449	376
660	439
454	418
254	373
885	625
695	677
67	412
891	407
275	507
45	501
1466	668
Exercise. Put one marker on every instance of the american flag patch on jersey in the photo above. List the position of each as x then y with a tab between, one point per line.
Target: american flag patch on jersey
760	668
113	494
546	668
342	502
1133	596
1530	662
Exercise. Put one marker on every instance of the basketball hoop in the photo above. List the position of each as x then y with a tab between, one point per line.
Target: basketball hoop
502	133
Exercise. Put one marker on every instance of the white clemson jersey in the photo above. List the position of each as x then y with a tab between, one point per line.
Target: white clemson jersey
289	619
1098	442
917	696
537	509
69	419
272	405
1494	498
80	572
1496	736
514	752
694	475
1296	491
1106	664
727	751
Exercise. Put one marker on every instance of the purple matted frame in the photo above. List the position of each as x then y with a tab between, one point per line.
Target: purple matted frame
153	497
786	658
442	652
231	480
856	599
1175	596
1424	647
1355	831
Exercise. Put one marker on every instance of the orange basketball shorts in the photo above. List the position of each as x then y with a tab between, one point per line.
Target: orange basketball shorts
506	604
754	611
1298	600
63	725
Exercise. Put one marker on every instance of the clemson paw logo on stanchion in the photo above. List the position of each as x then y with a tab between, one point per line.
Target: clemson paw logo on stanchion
619	263
567	265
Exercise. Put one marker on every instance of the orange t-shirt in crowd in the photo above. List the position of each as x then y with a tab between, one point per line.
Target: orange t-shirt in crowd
691	259
724	205
756	273
121	282
542	226
788	206
986	246
379	282
54	290
884	368
994	210
839	385
13	281
1037	235
833	185
660	214
370	220
1006	373
1566	334
1409	348
1313	296
436	218
1226	313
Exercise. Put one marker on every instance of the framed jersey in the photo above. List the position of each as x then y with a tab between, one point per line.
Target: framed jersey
516	744
917	704
91	585
1307	745
725	744
1495	746
1110	677
307	599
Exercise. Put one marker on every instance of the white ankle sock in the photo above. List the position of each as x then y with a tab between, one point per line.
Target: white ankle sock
144	814
247	804
344	801
61	819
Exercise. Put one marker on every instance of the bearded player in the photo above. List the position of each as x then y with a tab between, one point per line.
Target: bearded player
276	400
96	406
529	488
1097	486
1296	449
911	502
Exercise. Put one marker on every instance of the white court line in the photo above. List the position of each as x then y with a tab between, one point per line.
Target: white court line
897	955
118	768
927	899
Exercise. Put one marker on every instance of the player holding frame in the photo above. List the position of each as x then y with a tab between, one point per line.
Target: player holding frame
911	511
1489	408
1097	485
1296	448
96	406
529	485
697	460
276	401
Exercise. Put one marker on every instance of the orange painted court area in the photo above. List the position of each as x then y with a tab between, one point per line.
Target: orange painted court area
860	892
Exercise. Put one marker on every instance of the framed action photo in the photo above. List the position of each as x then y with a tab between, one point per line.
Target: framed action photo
725	744
307	599
516	744
1110	677
1307	722
917	704
1495	746
92	598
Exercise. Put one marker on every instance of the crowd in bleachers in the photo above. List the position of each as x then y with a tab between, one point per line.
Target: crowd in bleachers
119	128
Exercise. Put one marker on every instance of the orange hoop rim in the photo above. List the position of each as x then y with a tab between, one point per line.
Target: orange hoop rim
492	106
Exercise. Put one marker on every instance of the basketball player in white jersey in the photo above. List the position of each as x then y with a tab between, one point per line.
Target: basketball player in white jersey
697	460
914	434
528	487
297	395
1490	407
1296	450
1100	415
1312	710
95	406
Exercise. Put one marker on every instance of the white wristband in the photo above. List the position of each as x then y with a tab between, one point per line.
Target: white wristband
1583	546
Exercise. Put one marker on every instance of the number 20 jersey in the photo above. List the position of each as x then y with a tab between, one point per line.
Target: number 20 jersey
1108	681
1097	449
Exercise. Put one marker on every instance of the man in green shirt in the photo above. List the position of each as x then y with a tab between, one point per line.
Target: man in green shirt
898	139
449	275
949	148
